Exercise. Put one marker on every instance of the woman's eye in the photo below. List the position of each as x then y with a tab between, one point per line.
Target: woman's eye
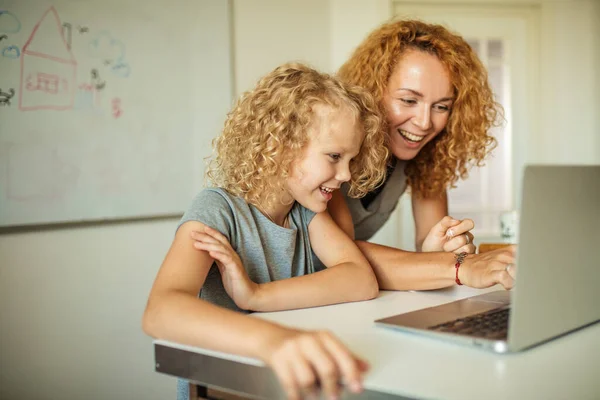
335	156
441	107
409	101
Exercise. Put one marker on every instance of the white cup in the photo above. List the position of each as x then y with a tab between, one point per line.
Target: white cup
509	226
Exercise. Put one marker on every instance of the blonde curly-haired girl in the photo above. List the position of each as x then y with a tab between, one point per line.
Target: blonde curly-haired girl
438	108
246	244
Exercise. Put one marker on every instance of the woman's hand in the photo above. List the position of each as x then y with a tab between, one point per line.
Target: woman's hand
487	269
307	362
450	235
235	279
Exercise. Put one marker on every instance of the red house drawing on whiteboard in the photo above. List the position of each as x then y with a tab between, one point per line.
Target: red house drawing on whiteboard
48	68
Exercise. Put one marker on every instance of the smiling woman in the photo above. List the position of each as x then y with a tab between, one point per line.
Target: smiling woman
417	103
438	108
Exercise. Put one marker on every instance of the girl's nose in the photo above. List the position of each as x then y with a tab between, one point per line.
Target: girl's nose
343	172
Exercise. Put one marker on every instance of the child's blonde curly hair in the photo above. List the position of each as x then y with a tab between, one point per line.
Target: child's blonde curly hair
268	127
465	140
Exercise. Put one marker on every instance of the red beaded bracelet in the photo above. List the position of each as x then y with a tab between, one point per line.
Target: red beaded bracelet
459	260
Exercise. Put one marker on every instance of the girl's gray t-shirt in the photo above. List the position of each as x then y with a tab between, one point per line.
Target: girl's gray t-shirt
268	252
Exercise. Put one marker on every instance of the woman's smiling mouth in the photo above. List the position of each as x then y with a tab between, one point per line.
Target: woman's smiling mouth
410	137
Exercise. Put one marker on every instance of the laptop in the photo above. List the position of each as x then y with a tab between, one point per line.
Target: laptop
557	287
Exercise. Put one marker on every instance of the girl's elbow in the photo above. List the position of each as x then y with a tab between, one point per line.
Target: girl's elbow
373	291
370	286
147	324
150	322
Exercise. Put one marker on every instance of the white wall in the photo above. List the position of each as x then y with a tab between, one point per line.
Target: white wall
351	22
268	33
595	32
71	299
570	99
70	315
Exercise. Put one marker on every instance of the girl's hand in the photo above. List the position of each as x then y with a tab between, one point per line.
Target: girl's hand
450	235
307	362
487	269
235	279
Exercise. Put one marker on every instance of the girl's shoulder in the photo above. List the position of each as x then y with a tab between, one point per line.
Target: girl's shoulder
219	197
216	208
302	214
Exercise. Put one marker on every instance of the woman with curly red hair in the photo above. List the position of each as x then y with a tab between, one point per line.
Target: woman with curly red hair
439	108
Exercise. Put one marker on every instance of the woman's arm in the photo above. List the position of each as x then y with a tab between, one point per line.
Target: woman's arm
427	213
348	277
403	270
432	235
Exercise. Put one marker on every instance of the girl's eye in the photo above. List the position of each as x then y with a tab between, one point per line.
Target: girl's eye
335	156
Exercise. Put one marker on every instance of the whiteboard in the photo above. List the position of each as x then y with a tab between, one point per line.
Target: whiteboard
107	107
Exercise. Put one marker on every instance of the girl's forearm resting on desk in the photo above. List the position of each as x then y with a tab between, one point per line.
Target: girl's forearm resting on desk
338	284
302	360
182	318
403	270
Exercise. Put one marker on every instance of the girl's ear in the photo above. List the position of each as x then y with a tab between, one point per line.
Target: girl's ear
286	197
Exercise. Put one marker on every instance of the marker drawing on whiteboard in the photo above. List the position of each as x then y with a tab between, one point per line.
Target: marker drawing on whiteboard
116	107
11	52
112	53
9	22
69	37
48	73
121	69
98	83
6	96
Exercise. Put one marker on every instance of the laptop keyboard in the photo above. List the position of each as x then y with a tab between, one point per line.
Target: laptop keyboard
488	325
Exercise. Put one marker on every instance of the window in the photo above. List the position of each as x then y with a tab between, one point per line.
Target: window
489	190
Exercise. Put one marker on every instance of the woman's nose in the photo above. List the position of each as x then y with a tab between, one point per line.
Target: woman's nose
422	119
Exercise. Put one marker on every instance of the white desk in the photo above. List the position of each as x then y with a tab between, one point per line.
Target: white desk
407	365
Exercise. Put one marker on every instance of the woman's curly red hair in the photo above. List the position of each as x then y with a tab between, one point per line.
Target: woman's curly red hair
465	141
268	127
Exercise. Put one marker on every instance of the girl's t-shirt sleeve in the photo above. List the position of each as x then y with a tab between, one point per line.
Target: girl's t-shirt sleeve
307	215
212	208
